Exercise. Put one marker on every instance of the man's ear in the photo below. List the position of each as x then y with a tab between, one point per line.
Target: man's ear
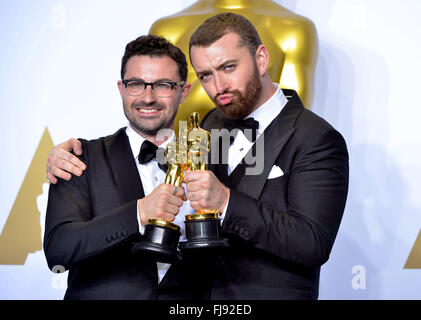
262	59
185	91
120	87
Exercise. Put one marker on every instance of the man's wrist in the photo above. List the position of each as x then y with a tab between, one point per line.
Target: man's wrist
225	205
139	220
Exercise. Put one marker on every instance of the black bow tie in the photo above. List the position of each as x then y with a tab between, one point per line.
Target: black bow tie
148	153
242	124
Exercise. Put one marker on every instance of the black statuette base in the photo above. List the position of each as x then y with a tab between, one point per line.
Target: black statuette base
203	234
160	243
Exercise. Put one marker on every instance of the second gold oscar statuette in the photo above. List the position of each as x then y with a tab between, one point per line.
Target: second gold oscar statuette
160	238
203	228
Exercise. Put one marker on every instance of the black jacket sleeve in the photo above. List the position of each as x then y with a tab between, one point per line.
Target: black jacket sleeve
76	229
317	186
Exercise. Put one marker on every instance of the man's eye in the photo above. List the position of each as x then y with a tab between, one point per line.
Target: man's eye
135	84
162	85
204	77
229	67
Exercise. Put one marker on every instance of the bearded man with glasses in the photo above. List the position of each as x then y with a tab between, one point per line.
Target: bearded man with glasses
93	219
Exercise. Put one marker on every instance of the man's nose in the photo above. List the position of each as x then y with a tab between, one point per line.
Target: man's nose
221	84
149	95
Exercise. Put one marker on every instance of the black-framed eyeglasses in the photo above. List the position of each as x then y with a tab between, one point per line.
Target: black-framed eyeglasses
162	89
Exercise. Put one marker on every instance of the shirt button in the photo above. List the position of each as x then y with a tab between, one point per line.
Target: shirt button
155	178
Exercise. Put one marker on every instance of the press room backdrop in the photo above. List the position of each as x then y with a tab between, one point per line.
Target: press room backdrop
59	63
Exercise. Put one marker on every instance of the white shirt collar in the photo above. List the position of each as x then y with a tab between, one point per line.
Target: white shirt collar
136	140
268	111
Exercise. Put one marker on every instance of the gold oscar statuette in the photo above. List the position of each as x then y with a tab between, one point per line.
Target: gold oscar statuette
161	237
203	227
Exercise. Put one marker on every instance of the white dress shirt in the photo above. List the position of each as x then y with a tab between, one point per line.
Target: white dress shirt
152	176
265	114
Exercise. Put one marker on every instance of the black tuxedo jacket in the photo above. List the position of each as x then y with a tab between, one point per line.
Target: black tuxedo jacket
91	224
282	230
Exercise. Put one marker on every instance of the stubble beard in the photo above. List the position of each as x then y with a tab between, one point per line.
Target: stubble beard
137	124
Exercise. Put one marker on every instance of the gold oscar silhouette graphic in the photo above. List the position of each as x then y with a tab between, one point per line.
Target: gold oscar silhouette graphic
204	226
414	259
21	234
290	38
161	237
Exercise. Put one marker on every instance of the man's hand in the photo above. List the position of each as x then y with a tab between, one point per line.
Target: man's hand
62	164
163	203
205	191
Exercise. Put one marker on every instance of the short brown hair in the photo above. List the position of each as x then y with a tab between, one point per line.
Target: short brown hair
217	26
155	46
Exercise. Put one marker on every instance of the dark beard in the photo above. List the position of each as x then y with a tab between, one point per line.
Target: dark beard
146	131
242	105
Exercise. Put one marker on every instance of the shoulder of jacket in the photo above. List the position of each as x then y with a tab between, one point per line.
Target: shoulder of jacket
209	120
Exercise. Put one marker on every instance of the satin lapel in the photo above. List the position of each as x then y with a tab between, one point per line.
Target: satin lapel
275	137
124	168
213	121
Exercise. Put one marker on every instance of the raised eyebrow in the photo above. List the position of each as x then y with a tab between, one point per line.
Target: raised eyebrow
219	67
226	63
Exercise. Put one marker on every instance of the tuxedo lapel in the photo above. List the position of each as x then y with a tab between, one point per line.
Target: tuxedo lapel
274	138
123	167
127	180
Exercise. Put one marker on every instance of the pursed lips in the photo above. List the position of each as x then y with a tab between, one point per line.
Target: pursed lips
225	99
